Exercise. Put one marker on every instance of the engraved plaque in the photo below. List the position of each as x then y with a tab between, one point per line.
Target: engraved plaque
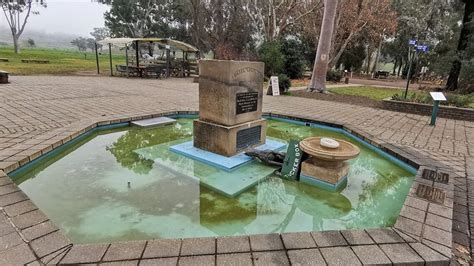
246	102
430	193
435	176
248	137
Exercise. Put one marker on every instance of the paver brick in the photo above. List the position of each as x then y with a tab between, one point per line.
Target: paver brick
371	255
328	239
162	248
207	260
12	198
10	240
439	222
429	255
5	226
198	246
130	250
306	257
265	242
401	254
409	226
7	189
340	256
20	208
413	213
85	254
270	258
49	243
357	237
236	259
29	219
382	236
437	235
440	210
39	230
233	244
298	240
20	254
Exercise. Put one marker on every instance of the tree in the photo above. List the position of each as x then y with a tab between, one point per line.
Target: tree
31	42
13	10
318	79
293	57
270	53
466	31
220	26
145	18
353	57
80	43
90	43
374	19
272	18
100	33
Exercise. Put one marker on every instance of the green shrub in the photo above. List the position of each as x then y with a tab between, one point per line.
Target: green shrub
456	100
270	54
333	75
294	63
284	83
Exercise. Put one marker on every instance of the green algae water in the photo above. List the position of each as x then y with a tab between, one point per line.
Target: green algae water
101	190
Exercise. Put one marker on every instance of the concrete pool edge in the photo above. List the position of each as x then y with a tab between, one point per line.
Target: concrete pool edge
412	239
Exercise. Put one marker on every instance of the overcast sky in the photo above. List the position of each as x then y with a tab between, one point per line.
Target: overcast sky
76	17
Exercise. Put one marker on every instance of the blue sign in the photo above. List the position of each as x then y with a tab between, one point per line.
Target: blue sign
412	42
423	48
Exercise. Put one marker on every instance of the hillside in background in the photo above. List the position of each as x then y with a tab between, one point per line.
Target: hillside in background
42	39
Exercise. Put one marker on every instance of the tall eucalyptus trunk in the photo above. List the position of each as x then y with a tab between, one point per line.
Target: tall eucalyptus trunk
318	79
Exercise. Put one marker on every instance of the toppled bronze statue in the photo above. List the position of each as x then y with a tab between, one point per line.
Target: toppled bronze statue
267	157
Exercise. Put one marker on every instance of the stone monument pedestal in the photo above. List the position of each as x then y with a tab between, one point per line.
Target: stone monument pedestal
230	107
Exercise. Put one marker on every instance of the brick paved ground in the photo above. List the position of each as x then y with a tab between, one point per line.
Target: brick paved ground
40	113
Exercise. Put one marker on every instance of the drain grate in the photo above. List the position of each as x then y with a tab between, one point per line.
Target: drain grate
431	193
435	176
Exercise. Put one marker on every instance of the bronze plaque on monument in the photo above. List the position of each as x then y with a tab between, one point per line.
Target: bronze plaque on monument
246	102
248	137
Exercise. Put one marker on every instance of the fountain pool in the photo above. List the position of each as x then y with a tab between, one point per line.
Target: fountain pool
102	189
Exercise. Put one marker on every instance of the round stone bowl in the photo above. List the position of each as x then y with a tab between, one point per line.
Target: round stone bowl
345	151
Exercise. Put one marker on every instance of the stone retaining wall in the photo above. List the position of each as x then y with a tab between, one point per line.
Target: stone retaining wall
426	109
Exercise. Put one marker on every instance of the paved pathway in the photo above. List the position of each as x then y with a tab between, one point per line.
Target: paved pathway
37	112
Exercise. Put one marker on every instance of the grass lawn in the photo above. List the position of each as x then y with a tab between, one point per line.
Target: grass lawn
61	61
374	93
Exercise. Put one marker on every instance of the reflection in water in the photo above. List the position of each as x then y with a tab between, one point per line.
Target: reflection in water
85	191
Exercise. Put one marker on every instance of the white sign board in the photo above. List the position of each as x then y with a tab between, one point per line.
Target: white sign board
275	86
438	96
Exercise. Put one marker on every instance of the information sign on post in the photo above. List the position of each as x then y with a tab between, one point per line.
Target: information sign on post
437	98
275	86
